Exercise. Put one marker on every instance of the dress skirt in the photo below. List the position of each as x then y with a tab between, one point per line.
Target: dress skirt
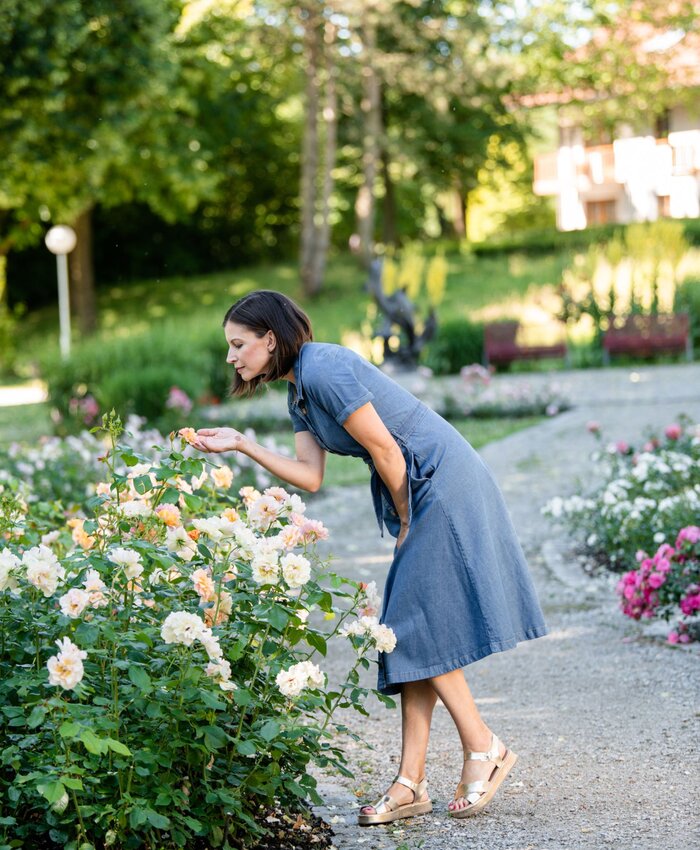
459	587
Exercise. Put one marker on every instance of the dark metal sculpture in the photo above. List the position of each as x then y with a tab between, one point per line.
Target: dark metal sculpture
399	320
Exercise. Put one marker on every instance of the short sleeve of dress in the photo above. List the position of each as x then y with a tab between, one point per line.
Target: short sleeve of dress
336	387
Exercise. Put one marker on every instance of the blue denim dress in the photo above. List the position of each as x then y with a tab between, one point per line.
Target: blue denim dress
458	589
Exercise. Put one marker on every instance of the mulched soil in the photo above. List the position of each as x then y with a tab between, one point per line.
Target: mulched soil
303	831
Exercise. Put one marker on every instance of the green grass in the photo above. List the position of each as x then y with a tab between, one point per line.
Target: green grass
337	313
345	471
25	423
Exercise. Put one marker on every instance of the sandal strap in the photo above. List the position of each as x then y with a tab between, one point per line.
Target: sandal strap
384	804
490	755
417	787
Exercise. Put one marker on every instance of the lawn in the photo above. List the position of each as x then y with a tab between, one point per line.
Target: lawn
338	313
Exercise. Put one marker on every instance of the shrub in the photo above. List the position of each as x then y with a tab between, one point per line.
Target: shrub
644	496
136	374
184	700
666	585
542	241
459	343
688	301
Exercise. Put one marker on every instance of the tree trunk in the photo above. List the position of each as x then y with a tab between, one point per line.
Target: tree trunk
372	122
309	156
330	117
390	234
459	220
82	274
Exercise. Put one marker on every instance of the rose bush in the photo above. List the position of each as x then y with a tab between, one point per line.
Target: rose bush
67	469
640	498
160	683
479	396
667	585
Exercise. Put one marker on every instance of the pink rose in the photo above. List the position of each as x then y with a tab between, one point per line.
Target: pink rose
673	431
691	534
593	427
673	637
656	580
622	447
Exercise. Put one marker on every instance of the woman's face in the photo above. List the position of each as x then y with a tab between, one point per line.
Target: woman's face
249	353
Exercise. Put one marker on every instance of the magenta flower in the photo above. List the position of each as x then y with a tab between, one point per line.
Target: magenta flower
673	637
689	534
673	431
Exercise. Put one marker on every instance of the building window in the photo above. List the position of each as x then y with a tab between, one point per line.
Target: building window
599	212
664	202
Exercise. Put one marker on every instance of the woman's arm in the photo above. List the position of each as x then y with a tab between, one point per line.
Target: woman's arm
366	426
304	471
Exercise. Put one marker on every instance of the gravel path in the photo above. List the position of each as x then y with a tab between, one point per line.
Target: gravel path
602	713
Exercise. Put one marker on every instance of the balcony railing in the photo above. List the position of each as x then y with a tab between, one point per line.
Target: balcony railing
595	166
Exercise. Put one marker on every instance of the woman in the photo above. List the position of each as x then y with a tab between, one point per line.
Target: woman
458	588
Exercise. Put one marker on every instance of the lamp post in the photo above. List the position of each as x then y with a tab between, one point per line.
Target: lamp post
60	240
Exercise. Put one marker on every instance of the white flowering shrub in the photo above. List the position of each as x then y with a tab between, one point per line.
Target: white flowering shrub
641	498
480	396
67	469
161	679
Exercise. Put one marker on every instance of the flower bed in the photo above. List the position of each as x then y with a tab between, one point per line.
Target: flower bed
645	500
67	469
666	585
642	496
160	659
480	397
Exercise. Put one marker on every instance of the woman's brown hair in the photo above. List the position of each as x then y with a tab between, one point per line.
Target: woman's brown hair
263	311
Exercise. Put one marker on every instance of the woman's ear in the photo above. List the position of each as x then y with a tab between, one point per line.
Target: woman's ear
271	341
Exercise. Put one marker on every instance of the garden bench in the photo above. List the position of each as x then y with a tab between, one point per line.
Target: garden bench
645	336
501	347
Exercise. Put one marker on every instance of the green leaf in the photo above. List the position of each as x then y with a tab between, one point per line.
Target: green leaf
71	782
214	738
194	503
193	824
51	791
246	748
36	717
69	729
137	817
129	459
242	697
140	678
212	701
317	641
269	730
171	496
159	821
143	484
118	747
277	617
92	743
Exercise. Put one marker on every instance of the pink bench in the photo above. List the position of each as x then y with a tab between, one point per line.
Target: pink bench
645	336
502	349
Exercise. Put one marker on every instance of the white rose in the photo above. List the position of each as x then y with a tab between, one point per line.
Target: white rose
265	567
263	512
74	602
66	668
384	638
43	569
296	570
8	563
181	627
129	559
135	508
178	540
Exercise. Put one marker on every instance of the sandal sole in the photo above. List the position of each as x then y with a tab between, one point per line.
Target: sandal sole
407	811
509	760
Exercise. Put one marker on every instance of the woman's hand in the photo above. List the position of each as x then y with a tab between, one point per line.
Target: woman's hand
219	440
402	535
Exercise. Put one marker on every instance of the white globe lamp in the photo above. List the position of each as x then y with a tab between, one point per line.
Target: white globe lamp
61	240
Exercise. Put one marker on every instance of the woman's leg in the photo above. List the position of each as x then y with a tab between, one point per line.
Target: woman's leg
475	735
417	702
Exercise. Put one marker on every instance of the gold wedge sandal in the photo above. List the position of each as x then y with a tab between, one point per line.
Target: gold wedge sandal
387	809
480	792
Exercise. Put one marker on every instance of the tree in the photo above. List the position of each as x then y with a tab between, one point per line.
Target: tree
93	110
